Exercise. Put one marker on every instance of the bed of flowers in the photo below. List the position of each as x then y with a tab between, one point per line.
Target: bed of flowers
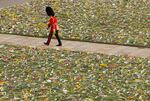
108	21
61	75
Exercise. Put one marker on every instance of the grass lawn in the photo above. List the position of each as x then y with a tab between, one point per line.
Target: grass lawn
108	21
53	75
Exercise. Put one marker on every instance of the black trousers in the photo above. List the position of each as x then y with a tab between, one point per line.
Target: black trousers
58	38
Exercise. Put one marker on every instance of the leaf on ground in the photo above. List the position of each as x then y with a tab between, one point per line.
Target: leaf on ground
2	82
113	65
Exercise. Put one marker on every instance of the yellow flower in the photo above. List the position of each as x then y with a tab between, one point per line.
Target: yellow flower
26	95
33	18
103	65
130	97
61	61
77	86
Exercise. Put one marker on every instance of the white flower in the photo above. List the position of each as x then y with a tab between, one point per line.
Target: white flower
49	81
1	46
65	91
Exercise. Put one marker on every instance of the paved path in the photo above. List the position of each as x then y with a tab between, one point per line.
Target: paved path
76	46
6	3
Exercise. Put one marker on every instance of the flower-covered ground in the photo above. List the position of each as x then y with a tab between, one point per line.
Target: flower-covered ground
52	75
108	21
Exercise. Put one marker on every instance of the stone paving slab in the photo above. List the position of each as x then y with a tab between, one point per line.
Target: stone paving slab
76	46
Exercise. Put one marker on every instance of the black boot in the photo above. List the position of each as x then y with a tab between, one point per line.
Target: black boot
46	43
57	36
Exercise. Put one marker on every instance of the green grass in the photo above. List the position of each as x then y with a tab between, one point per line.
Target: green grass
60	75
118	22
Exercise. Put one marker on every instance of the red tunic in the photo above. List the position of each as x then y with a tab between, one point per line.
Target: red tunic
53	24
